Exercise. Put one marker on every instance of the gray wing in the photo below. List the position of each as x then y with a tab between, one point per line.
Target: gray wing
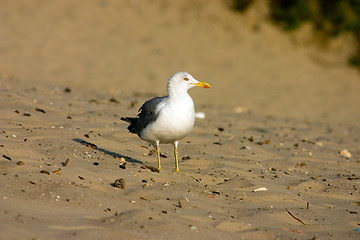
148	114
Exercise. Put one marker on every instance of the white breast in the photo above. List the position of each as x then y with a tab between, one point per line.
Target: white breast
175	121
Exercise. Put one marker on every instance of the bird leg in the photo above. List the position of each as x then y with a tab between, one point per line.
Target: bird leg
176	156
158	154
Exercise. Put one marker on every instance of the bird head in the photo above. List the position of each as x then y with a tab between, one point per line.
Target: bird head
184	81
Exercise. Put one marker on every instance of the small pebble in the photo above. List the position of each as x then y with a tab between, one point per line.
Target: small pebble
45	172
67	162
67	90
114	100
260	189
119	183
153	169
40	110
33	182
345	153
240	110
193	227
123	166
246	147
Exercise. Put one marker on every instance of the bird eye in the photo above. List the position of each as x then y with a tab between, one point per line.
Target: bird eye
186	79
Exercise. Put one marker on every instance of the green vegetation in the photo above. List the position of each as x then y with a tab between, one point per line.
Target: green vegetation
330	17
242	5
290	14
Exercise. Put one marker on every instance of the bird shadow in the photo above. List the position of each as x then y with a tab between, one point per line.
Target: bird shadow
111	153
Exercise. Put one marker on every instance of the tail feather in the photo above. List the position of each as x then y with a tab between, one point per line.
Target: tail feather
127	119
132	122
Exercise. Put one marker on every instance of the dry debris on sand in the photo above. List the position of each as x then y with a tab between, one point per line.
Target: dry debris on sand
274	153
269	177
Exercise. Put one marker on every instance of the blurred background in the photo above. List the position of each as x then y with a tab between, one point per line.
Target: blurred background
291	59
328	19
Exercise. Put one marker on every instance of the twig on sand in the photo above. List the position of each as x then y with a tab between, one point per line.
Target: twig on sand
297	219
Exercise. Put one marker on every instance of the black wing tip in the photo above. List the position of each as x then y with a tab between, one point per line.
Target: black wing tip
127	119
132	122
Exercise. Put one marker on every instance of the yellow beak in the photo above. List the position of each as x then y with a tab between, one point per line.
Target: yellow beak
202	84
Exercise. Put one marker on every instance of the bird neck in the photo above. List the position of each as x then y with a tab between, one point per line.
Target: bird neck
177	93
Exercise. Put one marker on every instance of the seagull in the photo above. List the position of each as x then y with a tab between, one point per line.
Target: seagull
168	119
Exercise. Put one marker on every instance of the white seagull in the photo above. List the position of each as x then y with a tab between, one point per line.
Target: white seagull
167	119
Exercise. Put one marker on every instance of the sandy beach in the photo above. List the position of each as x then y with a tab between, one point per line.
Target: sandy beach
277	155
